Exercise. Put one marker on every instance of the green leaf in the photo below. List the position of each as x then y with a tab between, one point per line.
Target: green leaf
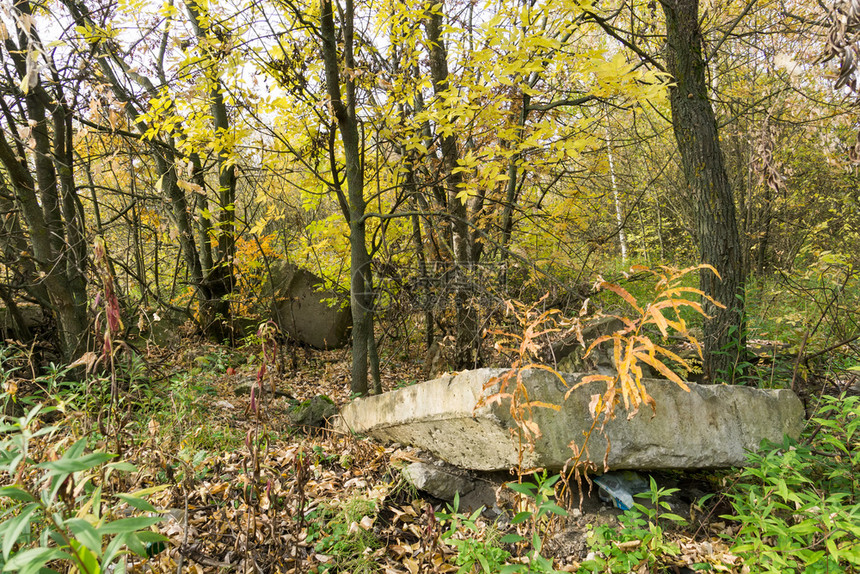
805	528
123	466
151	490
16	493
813	557
35	558
12	465
16	526
137	503
782	488
551	481
86	559
831	547
151	537
70	465
135	545
114	549
526	489
128	525
554	508
44	430
521	517
85	533
672	517
512	539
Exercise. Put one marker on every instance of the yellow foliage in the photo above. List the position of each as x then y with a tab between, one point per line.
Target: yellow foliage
251	270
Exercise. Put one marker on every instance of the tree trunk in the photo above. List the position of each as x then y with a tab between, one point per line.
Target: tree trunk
361	298
210	287
619	211
219	279
695	130
41	178
467	341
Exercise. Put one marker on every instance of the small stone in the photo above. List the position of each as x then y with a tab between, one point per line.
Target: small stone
314	412
437	480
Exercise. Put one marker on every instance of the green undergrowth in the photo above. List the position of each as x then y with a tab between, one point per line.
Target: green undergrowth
820	302
181	407
798	503
643	538
344	534
63	510
794	508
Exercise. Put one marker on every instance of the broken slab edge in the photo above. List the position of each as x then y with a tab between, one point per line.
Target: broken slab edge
711	426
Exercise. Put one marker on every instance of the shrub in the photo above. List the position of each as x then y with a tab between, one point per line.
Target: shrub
797	503
53	512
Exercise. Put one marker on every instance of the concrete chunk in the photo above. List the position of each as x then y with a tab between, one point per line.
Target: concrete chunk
304	312
437	481
711	426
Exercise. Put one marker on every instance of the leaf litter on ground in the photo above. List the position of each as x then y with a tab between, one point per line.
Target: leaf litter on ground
284	506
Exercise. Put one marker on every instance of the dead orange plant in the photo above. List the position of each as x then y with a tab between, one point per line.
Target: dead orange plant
536	326
632	346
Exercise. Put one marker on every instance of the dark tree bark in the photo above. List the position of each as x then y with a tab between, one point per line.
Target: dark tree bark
716	226
219	277
361	297
211	277
467	339
19	262
39	173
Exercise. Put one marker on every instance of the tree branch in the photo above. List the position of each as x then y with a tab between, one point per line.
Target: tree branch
559	103
603	23
733	25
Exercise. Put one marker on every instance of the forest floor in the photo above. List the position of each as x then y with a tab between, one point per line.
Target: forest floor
249	491
244	490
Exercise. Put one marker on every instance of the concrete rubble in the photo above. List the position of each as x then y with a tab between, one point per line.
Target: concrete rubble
304	312
711	426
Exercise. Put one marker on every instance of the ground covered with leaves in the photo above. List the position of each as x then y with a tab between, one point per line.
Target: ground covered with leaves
234	484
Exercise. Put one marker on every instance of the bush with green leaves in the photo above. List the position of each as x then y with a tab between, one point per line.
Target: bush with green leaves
483	549
54	516
341	536
641	540
539	495
798	504
476	546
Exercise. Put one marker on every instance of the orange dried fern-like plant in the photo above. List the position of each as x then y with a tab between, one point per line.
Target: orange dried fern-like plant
536	325
632	347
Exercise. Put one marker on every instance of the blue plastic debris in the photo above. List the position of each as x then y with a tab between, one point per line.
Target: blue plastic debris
620	487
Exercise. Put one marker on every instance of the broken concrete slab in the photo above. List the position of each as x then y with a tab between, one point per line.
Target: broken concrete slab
711	426
304	312
445	482
442	482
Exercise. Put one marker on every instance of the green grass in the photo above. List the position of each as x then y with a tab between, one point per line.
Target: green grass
346	546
